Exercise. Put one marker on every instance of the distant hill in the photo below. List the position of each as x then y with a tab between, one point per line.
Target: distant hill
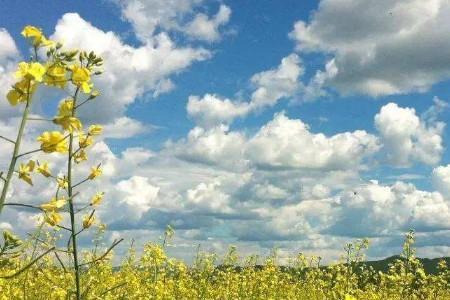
430	265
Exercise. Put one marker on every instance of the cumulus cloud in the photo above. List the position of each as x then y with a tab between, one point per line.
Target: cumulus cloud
281	143
130	71
406	138
211	110
379	47
441	179
9	50
124	127
9	55
388	210
147	16
269	87
278	83
288	143
206	28
208	197
217	146
137	194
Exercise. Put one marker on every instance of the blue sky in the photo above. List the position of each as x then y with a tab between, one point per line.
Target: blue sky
262	114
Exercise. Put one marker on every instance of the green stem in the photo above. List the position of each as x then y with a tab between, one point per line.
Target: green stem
12	164
71	208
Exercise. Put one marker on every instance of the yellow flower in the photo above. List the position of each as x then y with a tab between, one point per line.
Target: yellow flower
30	71
349	297
62	182
94	94
20	92
81	77
95	172
44	169
97	198
95	129
80	156
65	116
31	164
70	124
88	220
52	218
56	76
31	31
53	141
54	204
36	36
25	170
84	141
65	108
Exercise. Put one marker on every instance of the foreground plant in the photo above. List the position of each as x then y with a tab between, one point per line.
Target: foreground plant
29	75
71	71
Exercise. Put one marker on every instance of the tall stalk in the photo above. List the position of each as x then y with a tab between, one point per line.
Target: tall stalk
71	206
15	155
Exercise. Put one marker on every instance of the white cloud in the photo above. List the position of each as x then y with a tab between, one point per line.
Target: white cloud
130	71
380	47
406	138
9	56
216	146
211	110
278	83
205	28
387	210
137	194
124	127
281	143
136	156
9	50
288	143
147	16
209	197
434	111
269	87
441	179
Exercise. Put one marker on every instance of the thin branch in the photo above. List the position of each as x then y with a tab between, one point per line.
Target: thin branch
83	208
114	244
75	152
40	119
28	266
80	231
6	139
60	261
23	205
29	152
81	182
88	99
36	207
63	227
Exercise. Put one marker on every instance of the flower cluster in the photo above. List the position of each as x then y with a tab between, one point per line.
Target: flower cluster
74	72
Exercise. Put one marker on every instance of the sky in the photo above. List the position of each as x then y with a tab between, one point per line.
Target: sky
296	125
